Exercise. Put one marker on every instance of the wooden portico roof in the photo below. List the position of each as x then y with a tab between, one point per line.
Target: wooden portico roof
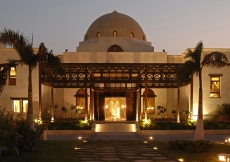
85	75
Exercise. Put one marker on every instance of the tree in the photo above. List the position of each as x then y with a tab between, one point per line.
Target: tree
194	65
28	57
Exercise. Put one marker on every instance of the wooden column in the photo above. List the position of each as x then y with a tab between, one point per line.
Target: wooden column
178	105
52	104
86	104
92	104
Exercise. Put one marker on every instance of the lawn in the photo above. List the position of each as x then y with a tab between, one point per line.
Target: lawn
63	151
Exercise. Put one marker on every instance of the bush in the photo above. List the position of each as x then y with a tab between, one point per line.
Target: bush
71	125
197	146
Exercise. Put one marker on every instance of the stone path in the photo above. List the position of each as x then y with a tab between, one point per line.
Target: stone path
110	150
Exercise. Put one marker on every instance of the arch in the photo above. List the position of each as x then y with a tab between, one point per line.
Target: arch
115	34
150	101
98	34
144	37
86	37
115	48
80	100
132	35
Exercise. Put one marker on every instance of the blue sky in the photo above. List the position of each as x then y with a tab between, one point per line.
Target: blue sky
173	25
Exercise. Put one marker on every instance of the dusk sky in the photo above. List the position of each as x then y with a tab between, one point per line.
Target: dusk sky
173	25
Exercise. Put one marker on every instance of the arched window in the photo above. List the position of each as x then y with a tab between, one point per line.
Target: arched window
115	48
80	100
86	37
115	34
150	101
12	76
144	37
98	34
132	34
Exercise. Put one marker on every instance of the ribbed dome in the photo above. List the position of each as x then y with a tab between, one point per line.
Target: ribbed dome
115	25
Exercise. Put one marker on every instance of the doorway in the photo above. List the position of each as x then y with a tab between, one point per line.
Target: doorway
115	108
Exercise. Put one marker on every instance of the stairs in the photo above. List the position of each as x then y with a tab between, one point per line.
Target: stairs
115	127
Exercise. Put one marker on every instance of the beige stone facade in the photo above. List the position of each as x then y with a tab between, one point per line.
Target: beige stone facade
129	38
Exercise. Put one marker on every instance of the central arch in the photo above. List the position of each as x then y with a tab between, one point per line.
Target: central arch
115	48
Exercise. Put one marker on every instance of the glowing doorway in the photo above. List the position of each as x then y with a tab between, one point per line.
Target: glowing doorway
115	108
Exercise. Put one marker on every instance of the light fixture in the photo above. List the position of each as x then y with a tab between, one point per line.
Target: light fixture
77	148
224	157
79	137
150	137
154	148
145	141
180	159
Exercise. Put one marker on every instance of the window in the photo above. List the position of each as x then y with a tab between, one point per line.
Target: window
132	34
98	34
144	37
115	48
12	79
86	37
20	105
114	34
214	86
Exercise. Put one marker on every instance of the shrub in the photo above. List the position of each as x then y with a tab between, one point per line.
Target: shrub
199	146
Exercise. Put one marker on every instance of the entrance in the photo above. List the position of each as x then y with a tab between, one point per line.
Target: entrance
115	108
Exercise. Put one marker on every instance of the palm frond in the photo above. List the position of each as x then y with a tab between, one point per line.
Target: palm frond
185	73
215	59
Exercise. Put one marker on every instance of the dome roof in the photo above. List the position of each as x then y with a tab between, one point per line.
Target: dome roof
115	25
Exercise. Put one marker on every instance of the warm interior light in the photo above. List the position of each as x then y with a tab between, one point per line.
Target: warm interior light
222	158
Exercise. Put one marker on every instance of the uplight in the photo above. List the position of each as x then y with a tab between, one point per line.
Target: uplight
145	141
180	159
79	138
85	141
154	148
77	148
151	137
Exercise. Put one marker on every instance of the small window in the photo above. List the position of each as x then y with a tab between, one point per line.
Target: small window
20	105
214	86
143	37
98	34
12	79
86	37
132	35
114	34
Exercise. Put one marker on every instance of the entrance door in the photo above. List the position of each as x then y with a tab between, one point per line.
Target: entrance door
115	108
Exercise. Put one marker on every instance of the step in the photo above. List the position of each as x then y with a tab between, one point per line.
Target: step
115	127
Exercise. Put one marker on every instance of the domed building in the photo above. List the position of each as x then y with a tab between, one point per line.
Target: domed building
114	75
115	32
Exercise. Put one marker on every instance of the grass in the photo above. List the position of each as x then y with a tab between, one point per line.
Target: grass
60	151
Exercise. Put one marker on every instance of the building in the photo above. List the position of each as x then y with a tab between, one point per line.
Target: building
115	74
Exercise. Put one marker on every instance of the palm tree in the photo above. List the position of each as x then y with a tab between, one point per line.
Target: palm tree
28	57
194	65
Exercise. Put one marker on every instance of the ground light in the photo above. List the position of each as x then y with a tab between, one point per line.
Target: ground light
151	138
224	157
79	137
77	148
180	159
145	141
154	148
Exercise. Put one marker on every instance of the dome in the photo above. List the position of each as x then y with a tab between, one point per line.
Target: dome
115	25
